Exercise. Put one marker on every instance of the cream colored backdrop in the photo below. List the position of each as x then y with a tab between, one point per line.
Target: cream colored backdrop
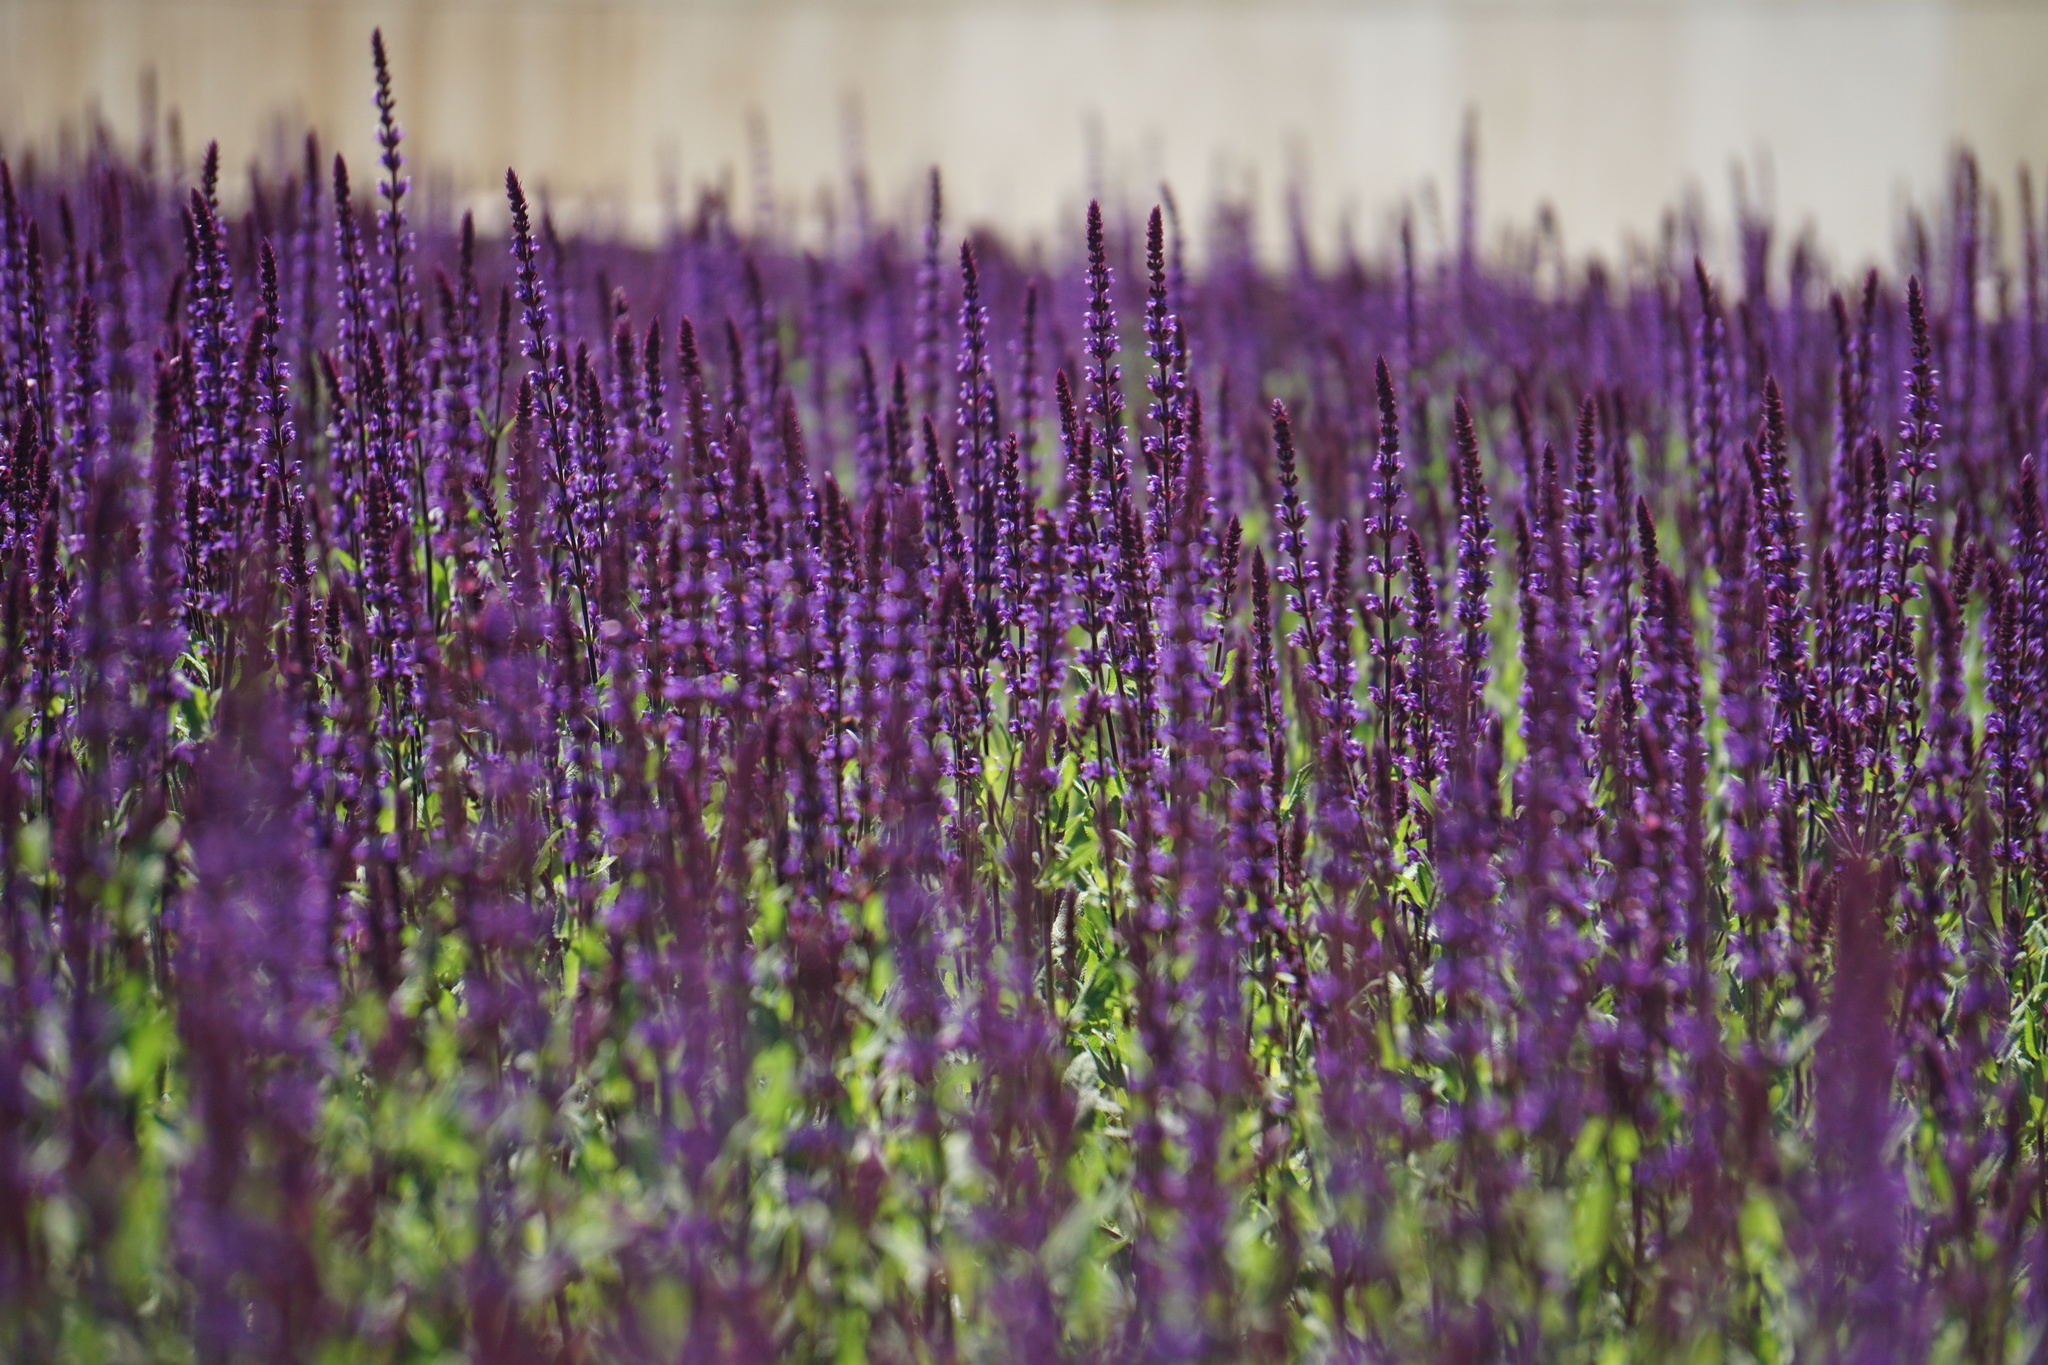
1607	109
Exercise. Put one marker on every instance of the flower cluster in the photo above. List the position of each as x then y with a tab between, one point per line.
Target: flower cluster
567	801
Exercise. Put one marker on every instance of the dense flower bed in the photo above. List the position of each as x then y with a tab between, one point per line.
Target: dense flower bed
570	802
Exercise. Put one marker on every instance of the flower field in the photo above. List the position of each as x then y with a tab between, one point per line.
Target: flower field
924	801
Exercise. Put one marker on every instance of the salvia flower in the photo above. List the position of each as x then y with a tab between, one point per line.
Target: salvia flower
529	837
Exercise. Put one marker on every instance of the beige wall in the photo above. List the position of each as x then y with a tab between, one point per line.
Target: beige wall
1607	108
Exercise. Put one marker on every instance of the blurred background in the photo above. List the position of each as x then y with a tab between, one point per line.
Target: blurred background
1610	112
